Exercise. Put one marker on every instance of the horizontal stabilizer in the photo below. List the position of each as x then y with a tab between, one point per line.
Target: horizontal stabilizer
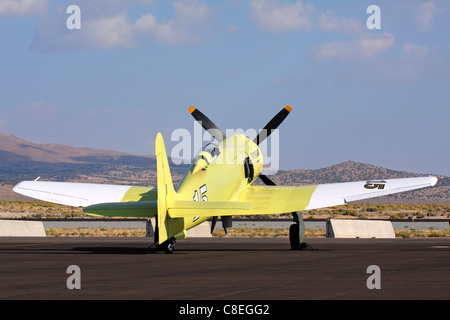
146	209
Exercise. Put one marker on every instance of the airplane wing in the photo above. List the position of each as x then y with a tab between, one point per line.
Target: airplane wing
83	194
278	199
333	194
258	200
118	200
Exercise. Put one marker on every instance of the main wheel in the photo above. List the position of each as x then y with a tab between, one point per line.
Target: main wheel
294	237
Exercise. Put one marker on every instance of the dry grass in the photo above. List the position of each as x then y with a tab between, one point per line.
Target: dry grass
97	232
45	210
383	211
38	210
422	234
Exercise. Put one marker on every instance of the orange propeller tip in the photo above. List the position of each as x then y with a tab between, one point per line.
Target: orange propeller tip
288	108
192	109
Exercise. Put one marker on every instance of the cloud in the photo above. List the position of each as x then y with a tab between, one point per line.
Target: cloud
426	14
415	51
190	19
367	47
329	22
112	27
275	17
372	45
102	33
23	8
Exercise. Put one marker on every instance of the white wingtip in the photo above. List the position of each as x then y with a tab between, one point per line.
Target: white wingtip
16	188
434	180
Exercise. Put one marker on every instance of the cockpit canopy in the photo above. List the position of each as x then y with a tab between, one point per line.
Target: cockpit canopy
234	150
209	153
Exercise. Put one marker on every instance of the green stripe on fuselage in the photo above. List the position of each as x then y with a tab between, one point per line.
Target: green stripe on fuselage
140	194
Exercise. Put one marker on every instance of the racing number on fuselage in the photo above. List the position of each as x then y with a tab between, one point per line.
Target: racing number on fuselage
203	196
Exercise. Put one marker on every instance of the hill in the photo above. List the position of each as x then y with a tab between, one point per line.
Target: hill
24	160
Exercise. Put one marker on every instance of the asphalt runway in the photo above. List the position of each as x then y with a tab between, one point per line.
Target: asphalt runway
224	269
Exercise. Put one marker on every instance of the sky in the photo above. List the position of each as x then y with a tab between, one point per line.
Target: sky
370	86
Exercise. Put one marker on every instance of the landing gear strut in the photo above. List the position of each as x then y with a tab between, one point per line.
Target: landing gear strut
297	233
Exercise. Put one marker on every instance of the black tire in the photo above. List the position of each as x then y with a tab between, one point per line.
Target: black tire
294	237
169	246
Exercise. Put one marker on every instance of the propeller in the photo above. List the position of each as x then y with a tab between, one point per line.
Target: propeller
219	135
207	124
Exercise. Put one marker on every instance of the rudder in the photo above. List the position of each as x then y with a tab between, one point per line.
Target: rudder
166	227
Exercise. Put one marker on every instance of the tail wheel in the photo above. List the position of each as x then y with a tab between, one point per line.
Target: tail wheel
168	246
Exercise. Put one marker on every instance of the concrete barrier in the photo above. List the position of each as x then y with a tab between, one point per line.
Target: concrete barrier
15	228
203	230
338	228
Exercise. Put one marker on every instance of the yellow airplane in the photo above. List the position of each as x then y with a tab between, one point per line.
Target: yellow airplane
218	184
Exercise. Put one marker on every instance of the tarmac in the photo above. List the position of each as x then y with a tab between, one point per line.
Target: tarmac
235	269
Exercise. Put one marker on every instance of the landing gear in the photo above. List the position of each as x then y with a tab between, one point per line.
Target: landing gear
297	233
294	239
167	246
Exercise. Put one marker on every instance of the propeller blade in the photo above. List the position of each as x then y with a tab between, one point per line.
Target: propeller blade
272	125
266	180
207	124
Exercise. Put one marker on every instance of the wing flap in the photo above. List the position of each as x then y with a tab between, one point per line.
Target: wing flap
277	199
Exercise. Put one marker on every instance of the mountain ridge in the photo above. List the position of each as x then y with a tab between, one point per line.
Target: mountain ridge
24	160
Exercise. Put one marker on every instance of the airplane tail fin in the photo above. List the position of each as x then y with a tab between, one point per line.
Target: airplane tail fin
166	227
